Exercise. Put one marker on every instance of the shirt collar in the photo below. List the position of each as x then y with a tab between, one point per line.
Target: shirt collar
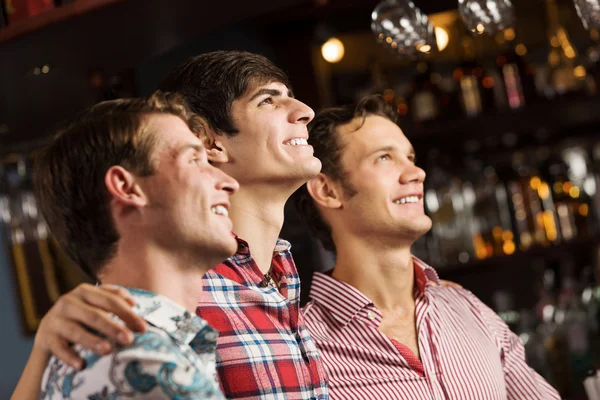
344	301
165	314
281	246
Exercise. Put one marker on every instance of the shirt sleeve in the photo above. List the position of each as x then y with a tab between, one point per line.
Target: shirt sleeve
522	382
153	367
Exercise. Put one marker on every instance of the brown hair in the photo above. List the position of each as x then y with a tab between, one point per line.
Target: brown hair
69	172
211	82
324	138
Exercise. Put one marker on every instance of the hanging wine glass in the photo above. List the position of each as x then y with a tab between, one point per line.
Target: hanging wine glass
486	16
589	12
403	28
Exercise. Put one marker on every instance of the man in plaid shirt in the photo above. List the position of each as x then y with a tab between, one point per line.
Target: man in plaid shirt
264	349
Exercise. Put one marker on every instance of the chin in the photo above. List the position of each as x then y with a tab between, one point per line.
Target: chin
311	168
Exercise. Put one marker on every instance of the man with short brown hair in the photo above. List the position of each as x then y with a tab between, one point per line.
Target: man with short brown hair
127	190
384	325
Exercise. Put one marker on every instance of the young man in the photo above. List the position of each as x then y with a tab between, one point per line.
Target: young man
384	326
264	349
128	191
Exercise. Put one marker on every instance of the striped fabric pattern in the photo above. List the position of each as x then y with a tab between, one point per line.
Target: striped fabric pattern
466	351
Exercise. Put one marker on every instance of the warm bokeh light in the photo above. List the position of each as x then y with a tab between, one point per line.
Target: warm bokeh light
441	38
574	192
544	191
333	50
425	48
521	49
509	34
488	82
535	183
508	247
579	72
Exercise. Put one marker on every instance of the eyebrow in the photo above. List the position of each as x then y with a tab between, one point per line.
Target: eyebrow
270	92
411	150
191	146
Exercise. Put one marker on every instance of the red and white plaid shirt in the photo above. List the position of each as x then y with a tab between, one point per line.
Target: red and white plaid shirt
467	351
264	350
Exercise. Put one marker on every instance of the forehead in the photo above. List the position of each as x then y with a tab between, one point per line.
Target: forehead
376	131
170	131
255	85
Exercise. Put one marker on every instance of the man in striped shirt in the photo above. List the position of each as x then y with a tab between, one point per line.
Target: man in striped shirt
385	327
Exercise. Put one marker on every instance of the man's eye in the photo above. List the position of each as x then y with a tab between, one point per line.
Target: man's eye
268	100
384	157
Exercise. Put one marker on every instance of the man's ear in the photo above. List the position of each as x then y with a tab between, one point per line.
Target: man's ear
215	151
324	191
124	188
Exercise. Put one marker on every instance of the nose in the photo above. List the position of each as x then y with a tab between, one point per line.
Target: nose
226	182
300	112
412	174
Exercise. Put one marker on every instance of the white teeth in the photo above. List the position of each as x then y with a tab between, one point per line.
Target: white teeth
408	199
220	210
297	142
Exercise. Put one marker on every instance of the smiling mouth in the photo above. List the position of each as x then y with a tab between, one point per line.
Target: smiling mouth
408	200
220	210
296	142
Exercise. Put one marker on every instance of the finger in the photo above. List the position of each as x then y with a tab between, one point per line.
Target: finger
75	333
76	311
119	291
65	353
108	301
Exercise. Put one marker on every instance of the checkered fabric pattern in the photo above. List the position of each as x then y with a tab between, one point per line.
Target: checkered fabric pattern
264	350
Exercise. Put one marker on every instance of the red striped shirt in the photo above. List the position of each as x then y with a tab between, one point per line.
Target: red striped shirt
467	351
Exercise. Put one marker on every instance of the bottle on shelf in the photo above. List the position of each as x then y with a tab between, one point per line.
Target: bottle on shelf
446	206
425	95
468	76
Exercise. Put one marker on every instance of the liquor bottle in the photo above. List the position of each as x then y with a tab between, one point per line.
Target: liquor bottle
489	223
468	76
561	56
517	75
445	203
424	95
534	225
571	199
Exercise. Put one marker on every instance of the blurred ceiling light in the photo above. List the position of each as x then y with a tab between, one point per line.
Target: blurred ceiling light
442	38
333	50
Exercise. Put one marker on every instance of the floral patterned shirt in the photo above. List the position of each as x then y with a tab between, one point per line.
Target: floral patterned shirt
173	359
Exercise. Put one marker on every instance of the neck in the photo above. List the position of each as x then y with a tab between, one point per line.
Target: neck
149	268
257	216
384	273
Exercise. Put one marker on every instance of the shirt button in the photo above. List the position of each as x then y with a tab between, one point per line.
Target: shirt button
371	315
